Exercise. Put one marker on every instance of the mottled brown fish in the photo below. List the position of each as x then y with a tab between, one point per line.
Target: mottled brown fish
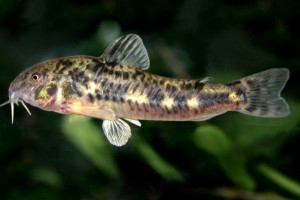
114	87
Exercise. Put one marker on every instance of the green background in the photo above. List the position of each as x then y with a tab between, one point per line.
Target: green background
233	156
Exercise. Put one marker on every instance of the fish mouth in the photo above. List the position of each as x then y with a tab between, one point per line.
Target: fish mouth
12	101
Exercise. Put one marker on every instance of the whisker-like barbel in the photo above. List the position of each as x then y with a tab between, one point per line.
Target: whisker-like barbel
5	103
12	112
12	109
11	102
24	105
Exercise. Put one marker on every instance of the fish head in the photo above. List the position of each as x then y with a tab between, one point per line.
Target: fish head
36	86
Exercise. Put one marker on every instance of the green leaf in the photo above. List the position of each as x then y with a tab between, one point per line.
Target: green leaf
212	140
47	176
280	179
248	131
158	164
88	138
235	169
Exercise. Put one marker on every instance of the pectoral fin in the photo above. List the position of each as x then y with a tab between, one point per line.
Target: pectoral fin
117	131
88	110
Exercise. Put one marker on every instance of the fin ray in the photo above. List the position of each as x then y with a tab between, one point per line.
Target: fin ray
128	50
134	121
117	131
262	93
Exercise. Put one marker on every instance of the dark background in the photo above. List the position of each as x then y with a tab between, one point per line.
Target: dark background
233	156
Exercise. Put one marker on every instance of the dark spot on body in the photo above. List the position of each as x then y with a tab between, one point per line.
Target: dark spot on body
146	85
98	97
106	97
198	86
130	104
142	76
138	106
62	70
118	87
136	87
57	66
138	72
110	71
196	112
67	63
103	82
188	86
114	98
75	89
125	75
52	90
134	76
117	74
154	82
91	98
155	97
122	100
125	87
180	101
111	85
174	88
168	87
71	73
233	83
95	60
145	107
162	82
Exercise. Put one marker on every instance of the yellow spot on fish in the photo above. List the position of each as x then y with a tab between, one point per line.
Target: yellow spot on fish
92	87
193	102
140	99
233	97
59	96
168	102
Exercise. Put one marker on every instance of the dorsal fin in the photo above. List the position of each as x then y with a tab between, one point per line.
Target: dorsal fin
127	50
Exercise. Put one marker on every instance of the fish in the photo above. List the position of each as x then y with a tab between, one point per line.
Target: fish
116	89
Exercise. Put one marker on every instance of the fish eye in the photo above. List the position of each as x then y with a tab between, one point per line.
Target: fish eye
35	77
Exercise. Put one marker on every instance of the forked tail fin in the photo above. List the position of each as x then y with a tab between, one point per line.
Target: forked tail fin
262	93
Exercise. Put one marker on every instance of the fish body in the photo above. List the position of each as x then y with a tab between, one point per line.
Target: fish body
115	86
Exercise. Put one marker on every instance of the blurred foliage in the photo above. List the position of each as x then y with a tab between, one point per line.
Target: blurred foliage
233	156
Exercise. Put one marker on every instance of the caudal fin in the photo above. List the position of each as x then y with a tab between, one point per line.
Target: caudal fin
262	93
